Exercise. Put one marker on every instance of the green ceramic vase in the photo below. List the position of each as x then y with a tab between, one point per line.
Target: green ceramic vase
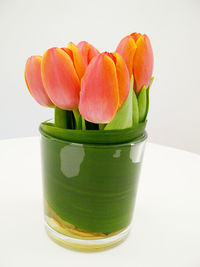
89	190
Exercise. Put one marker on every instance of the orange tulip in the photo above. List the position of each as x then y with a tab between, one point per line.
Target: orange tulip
88	51
137	53
104	88
61	76
34	81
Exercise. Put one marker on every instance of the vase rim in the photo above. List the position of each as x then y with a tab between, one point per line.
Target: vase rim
133	142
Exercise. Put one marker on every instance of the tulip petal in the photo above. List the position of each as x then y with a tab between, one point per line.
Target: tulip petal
126	49
88	51
135	36
68	51
60	78
77	60
122	77
143	63
92	53
84	48
34	81
99	97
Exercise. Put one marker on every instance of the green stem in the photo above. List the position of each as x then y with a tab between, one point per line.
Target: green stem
60	118
83	123
76	116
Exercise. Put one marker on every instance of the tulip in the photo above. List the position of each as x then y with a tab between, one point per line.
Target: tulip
34	81
137	52
104	88
61	76
88	51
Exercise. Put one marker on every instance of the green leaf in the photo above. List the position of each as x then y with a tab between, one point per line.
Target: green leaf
93	136
123	117
102	126
142	104
135	109
147	108
147	105
152	79
134	104
79	124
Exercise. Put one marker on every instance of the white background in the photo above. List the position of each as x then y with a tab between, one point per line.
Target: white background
30	27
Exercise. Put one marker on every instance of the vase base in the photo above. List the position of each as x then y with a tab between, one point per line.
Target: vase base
86	245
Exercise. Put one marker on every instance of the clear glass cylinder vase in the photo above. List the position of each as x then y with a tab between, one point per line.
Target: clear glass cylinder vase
89	191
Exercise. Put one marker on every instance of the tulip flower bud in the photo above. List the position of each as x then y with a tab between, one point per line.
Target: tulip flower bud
104	88
137	53
61	77
34	81
88	51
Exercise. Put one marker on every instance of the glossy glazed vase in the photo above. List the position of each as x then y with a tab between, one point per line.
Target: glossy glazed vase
89	191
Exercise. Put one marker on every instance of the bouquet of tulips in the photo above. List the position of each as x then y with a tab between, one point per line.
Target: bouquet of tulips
93	90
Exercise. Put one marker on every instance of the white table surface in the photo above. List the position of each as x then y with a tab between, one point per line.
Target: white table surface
166	225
